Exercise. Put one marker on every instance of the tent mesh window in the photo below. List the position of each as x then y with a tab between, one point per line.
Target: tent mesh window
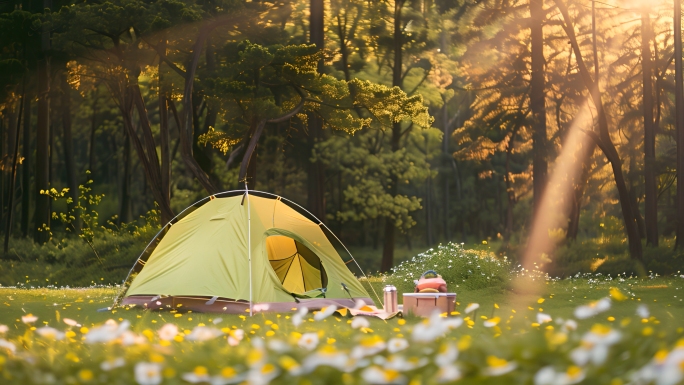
298	268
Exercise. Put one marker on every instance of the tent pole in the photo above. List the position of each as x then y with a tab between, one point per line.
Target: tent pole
249	247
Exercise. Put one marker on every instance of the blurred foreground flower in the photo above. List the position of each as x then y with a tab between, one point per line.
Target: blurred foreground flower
107	332
543	318
167	332
4	344
325	312
448	373
446	355
262	375
200	374
326	356
402	364
29	318
360	322
308	341
112	364
395	345
376	375
665	368
235	336
595	345
203	333
498	366
434	327
50	333
368	346
471	307
298	317
548	376
71	322
148	373
594	308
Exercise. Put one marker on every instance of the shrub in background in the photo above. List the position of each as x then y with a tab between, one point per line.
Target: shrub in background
84	253
460	268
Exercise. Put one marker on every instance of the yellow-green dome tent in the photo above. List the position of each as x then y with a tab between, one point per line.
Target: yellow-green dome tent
240	251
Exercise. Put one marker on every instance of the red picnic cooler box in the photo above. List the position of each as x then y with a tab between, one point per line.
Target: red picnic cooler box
424	304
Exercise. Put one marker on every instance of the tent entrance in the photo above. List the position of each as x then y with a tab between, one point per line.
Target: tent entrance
298	268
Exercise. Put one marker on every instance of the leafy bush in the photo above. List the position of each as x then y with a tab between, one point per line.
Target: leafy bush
85	253
460	268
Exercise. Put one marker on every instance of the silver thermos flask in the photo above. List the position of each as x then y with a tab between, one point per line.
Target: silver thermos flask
390	297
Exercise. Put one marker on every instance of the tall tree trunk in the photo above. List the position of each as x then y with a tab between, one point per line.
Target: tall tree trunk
163	131
198	107
315	171
93	129
247	173
428	212
447	158
186	131
510	192
124	194
632	177
585	152
538	102
344	50
603	139
651	187
11	116
679	122
428	198
152	164
67	140
42	181
26	170
388	246
13	175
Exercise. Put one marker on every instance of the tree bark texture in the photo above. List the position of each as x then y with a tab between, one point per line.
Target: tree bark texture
651	188
26	170
538	102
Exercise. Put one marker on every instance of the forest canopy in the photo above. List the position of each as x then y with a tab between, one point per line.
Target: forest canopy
546	129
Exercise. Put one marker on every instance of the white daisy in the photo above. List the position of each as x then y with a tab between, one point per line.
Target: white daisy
148	373
308	341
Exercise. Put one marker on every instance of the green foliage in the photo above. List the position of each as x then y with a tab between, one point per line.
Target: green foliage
462	269
258	83
368	164
72	262
84	251
612	258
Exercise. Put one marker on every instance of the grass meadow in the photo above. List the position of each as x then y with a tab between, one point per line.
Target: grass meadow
590	329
